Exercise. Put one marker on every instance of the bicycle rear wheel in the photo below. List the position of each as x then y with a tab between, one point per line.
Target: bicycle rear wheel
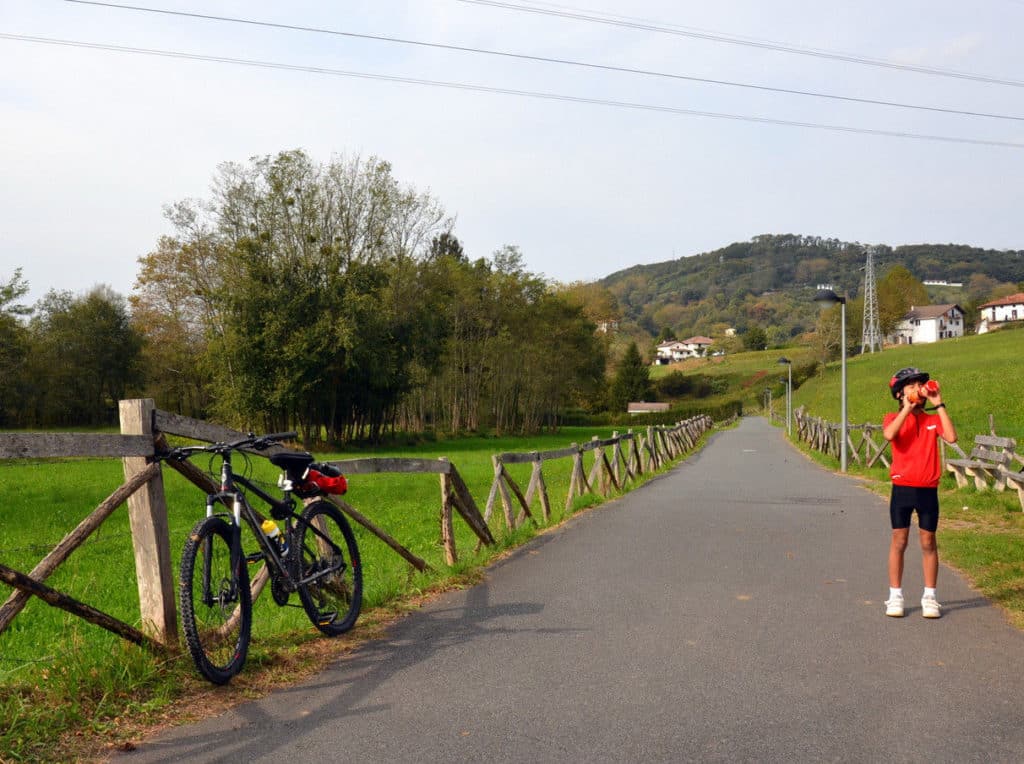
333	590
216	604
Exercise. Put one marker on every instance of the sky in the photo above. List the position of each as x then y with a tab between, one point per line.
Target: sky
619	168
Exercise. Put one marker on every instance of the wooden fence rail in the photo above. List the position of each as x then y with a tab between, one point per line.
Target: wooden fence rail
144	431
825	436
643	453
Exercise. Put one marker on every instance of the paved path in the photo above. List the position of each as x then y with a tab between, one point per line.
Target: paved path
730	610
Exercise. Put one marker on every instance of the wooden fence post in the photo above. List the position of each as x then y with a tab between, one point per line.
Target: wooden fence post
447	531
147	512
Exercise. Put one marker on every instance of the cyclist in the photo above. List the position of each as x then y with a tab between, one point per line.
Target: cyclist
915	474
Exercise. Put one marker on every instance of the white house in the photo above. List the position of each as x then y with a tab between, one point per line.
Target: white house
678	350
997	312
929	323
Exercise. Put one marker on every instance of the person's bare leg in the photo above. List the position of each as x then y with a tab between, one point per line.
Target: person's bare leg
929	558
896	550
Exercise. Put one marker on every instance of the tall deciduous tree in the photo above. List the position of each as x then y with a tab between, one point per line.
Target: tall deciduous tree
897	292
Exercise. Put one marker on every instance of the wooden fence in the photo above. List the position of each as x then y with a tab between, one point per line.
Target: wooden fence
861	444
642	454
144	430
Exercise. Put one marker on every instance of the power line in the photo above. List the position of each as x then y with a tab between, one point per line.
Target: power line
549	60
505	91
750	42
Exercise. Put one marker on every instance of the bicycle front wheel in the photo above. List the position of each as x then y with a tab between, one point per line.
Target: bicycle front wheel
216	604
331	577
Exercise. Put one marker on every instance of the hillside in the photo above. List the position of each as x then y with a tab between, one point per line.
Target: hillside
768	281
974	373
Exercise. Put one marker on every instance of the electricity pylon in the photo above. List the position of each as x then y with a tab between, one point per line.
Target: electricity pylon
872	336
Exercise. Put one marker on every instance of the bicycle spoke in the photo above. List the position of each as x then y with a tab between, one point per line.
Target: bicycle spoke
331	583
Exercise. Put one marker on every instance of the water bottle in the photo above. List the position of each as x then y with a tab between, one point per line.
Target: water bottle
273	532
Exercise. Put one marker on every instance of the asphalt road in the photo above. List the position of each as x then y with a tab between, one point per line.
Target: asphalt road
730	610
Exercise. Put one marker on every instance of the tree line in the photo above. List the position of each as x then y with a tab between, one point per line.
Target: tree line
325	297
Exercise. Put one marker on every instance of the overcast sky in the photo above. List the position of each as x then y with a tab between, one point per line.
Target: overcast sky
95	142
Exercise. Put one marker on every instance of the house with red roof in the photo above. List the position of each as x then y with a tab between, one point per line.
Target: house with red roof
998	312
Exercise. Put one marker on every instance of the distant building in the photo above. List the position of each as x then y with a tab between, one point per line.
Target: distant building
944	283
929	323
998	312
645	407
679	350
608	327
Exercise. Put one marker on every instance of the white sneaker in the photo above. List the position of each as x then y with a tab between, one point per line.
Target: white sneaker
894	606
930	608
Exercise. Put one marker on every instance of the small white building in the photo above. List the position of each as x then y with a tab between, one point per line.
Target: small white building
929	323
997	312
680	350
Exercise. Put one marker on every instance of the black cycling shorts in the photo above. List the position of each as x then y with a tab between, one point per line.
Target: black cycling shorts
905	499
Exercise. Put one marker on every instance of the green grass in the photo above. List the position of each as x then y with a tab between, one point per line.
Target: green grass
62	679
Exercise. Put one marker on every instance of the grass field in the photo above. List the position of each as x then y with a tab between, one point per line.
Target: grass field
60	676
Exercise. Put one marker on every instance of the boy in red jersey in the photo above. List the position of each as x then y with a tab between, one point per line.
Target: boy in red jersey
915	472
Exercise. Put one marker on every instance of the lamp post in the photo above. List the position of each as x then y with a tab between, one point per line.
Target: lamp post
827	298
789	396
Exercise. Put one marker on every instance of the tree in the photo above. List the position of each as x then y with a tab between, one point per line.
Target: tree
296	285
632	379
446	245
14	350
85	357
755	338
897	292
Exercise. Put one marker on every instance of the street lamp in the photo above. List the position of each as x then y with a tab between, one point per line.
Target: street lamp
826	298
789	396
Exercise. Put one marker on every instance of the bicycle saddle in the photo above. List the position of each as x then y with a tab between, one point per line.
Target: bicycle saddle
294	463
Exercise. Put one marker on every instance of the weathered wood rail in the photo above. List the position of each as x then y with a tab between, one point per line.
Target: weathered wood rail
144	431
643	453
825	436
993	462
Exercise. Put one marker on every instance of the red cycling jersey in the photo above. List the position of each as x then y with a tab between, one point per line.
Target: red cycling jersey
915	450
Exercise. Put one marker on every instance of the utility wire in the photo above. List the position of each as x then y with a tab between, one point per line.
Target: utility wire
751	42
543	59
505	91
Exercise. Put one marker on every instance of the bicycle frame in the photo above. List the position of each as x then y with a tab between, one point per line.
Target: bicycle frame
243	510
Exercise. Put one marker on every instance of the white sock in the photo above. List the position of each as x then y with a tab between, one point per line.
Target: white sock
929	592
893	593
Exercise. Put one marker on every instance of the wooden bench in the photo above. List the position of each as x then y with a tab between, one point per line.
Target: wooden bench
990	461
1015	480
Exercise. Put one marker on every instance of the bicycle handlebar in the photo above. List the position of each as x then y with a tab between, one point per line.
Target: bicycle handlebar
258	442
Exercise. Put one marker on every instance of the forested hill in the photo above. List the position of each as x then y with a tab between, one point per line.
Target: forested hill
692	293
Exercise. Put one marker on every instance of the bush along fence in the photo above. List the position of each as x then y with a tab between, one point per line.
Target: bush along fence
617	461
992	464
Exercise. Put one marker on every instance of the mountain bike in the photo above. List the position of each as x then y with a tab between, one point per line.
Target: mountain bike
314	555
